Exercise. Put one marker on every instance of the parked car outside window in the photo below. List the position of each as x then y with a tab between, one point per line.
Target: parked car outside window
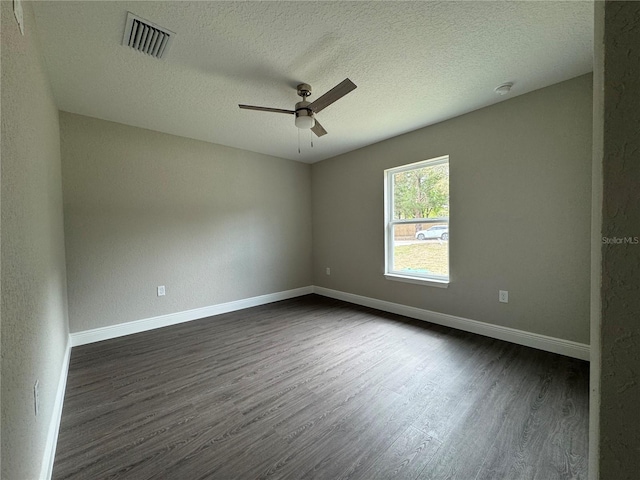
437	231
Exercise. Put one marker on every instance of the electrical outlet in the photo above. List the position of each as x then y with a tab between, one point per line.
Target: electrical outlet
17	12
36	397
161	291
328	271
503	296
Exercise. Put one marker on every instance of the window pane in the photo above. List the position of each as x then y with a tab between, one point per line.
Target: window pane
421	192
417	216
421	252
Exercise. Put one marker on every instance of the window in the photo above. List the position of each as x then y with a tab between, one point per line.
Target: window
417	222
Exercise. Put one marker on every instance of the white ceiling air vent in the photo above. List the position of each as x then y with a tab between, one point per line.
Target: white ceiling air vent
146	37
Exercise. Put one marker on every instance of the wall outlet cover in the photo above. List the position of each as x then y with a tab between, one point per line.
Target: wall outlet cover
503	296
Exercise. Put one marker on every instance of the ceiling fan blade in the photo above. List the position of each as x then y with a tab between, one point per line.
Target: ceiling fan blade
318	129
266	109
336	93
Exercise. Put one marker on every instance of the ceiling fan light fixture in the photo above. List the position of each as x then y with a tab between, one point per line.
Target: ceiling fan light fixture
304	120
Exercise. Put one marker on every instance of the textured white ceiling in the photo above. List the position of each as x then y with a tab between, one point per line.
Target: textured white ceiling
415	64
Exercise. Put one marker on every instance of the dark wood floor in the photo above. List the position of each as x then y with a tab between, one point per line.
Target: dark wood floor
317	388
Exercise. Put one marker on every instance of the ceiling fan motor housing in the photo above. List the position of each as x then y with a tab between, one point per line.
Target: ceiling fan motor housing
304	115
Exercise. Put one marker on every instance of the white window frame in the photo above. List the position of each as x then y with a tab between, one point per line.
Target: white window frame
389	222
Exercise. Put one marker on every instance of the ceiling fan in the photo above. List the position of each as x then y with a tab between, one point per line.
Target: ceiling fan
305	111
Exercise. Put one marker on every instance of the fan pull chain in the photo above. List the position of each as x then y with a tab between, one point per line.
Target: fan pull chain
298	140
311	138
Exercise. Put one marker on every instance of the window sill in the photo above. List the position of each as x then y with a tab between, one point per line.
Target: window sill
428	282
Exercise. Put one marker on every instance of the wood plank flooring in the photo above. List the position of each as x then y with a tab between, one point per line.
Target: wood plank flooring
314	388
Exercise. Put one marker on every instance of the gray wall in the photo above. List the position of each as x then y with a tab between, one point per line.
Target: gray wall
620	329
520	201
211	223
34	312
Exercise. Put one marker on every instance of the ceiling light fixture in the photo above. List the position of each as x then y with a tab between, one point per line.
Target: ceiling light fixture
304	115
504	88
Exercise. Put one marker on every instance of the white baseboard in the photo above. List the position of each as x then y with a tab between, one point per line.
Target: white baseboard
520	337
46	469
137	326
